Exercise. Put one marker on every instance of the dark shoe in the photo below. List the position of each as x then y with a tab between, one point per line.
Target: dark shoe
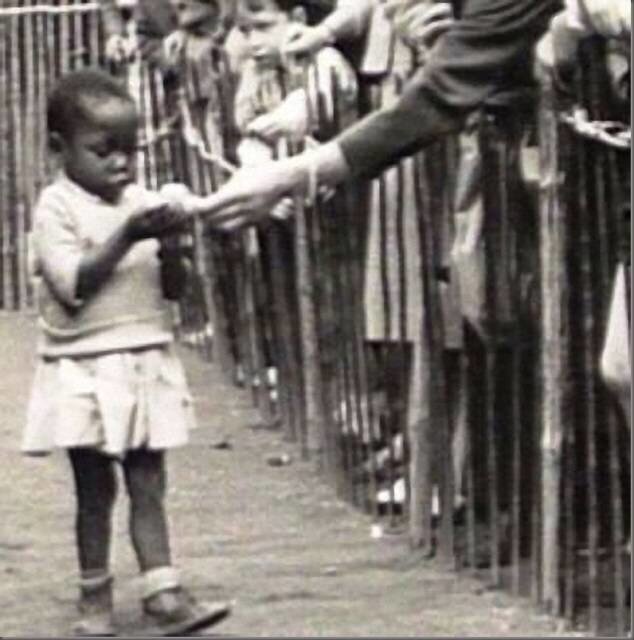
95	606
176	612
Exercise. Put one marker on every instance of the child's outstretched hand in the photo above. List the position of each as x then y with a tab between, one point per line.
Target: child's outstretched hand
156	219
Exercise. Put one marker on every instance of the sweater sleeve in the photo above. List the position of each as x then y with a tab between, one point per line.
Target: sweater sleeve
57	247
485	51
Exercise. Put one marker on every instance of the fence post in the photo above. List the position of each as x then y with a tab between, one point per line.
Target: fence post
5	146
554	341
313	436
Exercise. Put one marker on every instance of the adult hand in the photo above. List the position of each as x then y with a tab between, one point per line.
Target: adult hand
302	40
249	196
418	23
119	49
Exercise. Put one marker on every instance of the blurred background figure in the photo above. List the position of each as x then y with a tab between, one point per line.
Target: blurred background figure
152	21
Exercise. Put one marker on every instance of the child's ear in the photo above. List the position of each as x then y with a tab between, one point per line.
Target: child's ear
298	14
55	142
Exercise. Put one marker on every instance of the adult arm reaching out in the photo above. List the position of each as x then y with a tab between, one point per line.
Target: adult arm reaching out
487	49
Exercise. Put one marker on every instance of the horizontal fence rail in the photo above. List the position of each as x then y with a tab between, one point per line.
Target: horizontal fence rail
432	339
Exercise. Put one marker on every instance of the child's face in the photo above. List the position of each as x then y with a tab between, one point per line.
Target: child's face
196	16
99	154
264	26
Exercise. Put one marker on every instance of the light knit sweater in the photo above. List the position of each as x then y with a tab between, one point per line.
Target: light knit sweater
128	311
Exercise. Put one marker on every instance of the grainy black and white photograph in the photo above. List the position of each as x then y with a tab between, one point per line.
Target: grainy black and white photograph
315	318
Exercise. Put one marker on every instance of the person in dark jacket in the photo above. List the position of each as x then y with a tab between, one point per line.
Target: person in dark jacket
487	49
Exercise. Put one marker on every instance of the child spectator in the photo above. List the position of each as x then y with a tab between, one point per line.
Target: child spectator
278	97
109	387
278	101
154	20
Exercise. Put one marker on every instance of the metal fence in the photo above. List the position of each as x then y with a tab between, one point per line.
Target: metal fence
431	339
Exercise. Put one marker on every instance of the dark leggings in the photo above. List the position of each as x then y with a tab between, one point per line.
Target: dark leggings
96	490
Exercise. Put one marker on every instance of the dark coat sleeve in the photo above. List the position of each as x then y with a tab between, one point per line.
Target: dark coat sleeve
488	49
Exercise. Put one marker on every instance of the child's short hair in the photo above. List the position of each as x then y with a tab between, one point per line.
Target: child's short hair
66	102
316	10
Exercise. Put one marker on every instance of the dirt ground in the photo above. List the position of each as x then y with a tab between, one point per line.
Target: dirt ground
274	540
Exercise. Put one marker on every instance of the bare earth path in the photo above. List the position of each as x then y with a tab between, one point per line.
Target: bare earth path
294	560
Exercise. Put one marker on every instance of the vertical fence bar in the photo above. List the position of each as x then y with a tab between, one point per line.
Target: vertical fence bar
16	166
313	419
466	393
433	390
78	41
5	146
554	345
616	489
608	197
283	322
587	331
494	228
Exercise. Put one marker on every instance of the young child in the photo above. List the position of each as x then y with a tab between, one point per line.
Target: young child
109	387
279	97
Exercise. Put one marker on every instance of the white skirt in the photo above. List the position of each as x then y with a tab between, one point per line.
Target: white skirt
113	402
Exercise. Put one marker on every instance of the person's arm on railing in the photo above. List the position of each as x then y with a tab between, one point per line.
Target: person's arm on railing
483	49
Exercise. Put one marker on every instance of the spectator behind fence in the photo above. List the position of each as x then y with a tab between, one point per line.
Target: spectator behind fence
196	51
279	101
392	285
198	21
277	97
109	386
154	19
417	26
488	48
